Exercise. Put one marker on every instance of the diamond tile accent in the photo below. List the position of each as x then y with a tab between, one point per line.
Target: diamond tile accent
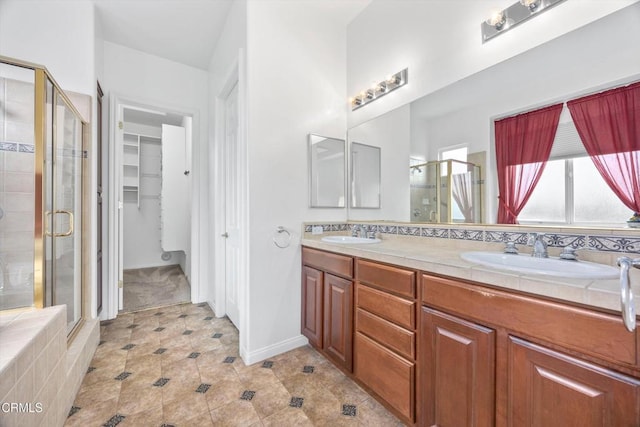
193	355
247	395
202	388
267	364
114	421
296	402
187	332
122	376
73	410
132	326
208	318
229	359
160	351
308	369
91	369
216	335
182	316
349	410
160	329
161	382
128	347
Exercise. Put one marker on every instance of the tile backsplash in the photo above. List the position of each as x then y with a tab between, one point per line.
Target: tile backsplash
599	240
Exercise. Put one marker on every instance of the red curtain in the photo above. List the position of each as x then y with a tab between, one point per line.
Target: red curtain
609	126
523	146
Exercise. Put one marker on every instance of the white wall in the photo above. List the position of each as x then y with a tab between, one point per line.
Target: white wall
58	35
391	133
296	58
440	42
137	76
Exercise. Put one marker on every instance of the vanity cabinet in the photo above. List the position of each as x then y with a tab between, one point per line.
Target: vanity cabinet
491	357
385	334
458	363
327	304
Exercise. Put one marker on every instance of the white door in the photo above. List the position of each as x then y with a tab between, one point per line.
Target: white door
232	205
174	195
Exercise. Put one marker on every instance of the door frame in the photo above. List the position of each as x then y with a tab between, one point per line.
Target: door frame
235	76
116	102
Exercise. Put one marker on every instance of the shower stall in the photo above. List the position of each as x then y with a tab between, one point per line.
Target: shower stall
42	166
445	191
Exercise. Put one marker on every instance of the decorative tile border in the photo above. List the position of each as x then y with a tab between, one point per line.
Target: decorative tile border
609	243
20	147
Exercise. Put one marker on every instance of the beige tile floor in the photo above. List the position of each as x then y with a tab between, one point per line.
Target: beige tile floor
179	366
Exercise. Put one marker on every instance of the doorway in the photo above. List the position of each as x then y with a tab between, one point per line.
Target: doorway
153	158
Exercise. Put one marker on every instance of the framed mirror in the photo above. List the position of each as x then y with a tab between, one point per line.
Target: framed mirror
365	176
463	114
326	172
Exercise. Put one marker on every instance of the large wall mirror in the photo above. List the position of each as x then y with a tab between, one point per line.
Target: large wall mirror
326	172
365	176
414	137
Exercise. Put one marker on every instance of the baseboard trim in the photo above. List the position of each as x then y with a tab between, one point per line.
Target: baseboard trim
259	355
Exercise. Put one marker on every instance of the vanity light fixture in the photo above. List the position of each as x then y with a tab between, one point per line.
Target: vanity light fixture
517	13
380	89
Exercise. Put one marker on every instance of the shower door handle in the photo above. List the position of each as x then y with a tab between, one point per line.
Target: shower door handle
48	232
69	232
225	235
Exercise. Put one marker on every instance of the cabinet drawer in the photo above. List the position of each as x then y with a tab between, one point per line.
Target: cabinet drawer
588	332
387	306
392	279
396	338
340	265
387	374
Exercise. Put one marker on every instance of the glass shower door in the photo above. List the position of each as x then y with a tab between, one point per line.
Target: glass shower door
66	230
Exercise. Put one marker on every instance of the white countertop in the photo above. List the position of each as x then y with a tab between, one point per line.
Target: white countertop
436	256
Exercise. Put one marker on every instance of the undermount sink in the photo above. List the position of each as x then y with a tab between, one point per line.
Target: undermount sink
349	240
545	266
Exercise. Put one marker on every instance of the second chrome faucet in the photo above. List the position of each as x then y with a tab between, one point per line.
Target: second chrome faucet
539	245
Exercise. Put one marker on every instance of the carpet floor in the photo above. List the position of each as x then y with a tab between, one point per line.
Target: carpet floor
155	287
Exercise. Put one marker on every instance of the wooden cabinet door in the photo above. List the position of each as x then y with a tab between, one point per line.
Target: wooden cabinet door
458	365
547	388
338	320
312	305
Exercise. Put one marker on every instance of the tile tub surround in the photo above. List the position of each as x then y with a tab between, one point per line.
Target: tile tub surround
148	372
440	254
36	367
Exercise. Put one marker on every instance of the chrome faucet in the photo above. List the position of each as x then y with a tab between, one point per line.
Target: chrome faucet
539	245
355	231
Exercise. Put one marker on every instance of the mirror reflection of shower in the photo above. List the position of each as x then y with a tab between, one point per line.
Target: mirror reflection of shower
445	191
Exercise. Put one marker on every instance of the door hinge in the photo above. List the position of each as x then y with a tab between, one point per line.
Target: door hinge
120	125
120	284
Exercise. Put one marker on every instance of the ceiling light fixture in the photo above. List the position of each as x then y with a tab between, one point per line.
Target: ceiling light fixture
517	13
380	89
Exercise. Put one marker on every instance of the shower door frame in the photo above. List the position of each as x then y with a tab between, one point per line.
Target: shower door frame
41	180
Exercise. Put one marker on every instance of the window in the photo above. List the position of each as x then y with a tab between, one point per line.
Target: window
571	191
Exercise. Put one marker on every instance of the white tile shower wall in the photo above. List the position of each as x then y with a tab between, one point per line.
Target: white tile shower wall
16	193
